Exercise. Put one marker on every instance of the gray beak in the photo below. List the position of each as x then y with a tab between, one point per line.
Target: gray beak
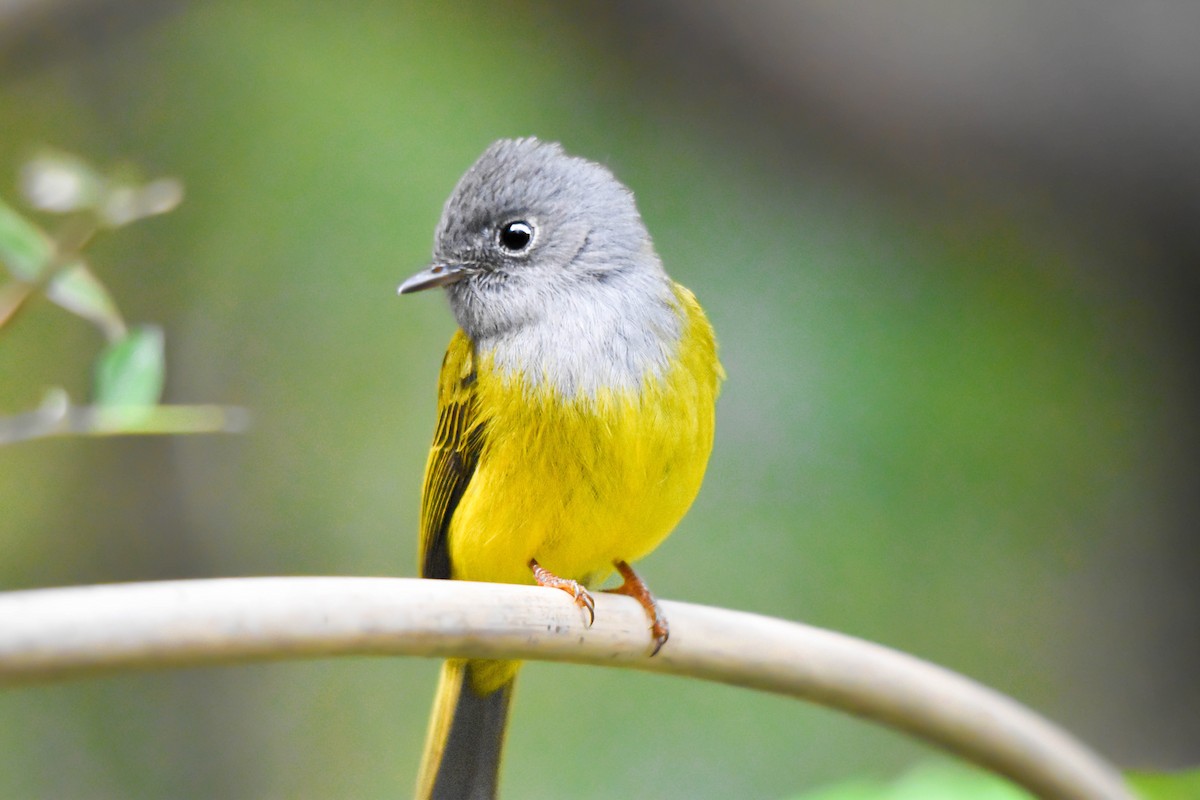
434	276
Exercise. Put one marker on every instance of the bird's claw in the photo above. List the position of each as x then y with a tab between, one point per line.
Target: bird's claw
633	586
582	597
660	634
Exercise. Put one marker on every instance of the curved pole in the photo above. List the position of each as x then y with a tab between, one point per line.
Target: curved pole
76	632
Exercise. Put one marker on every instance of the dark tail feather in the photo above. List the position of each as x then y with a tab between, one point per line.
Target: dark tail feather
466	737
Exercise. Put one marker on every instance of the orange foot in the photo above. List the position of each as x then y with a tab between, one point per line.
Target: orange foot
583	598
635	587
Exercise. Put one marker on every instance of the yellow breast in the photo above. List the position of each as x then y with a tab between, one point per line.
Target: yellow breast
581	482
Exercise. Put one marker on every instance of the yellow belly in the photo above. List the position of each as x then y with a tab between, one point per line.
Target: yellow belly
580	483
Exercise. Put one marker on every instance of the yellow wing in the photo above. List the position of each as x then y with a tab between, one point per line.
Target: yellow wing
452	459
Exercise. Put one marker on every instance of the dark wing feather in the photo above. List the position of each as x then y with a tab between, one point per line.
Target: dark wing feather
457	444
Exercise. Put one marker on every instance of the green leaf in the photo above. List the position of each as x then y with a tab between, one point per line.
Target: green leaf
77	289
129	372
934	781
23	247
1167	785
853	789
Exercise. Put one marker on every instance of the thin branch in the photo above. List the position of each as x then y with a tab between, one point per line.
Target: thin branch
77	632
57	417
65	250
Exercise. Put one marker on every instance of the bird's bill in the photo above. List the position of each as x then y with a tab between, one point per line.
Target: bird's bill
434	276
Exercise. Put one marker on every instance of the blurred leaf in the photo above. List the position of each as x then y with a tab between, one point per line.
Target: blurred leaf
23	247
77	289
927	782
60	182
854	789
1167	785
129	372
162	419
160	196
123	204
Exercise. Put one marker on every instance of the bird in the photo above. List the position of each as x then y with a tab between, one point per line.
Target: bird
576	412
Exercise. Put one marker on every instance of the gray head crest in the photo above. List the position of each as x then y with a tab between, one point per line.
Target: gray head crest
539	250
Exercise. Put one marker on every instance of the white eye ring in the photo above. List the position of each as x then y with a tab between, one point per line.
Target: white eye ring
515	236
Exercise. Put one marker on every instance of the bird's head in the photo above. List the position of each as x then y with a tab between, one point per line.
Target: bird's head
530	232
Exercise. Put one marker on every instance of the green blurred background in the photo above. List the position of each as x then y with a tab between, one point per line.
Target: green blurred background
951	258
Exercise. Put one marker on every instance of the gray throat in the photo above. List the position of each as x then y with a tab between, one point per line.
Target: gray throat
599	336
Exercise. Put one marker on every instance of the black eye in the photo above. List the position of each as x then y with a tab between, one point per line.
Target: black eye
515	236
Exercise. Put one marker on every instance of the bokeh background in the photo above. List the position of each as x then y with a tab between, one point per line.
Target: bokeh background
951	253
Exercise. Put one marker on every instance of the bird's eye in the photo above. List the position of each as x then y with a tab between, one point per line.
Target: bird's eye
515	236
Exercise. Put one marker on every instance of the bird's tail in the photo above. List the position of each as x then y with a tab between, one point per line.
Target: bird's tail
466	731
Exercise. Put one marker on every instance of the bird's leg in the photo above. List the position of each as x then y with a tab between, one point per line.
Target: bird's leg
583	598
635	587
